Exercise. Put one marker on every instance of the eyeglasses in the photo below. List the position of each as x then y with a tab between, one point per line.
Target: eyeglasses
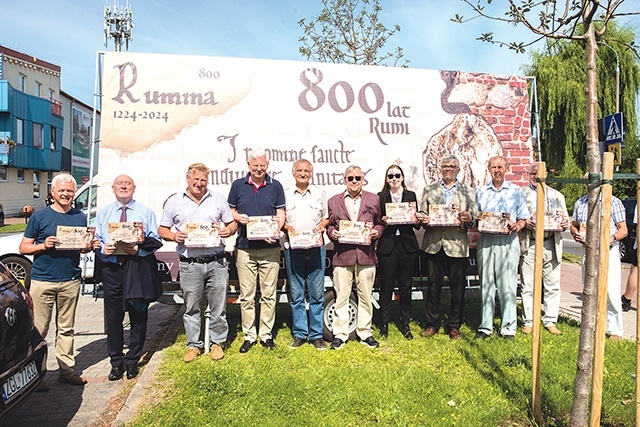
397	176
351	178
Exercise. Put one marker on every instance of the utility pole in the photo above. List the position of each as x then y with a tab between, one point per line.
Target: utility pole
617	75
118	25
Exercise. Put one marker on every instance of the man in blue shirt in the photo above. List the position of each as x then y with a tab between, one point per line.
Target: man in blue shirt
124	209
254	195
499	254
56	274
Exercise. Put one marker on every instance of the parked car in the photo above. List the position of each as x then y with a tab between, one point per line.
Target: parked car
23	351
626	244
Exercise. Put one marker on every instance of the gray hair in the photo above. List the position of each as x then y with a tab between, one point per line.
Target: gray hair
256	153
63	177
351	169
297	162
450	158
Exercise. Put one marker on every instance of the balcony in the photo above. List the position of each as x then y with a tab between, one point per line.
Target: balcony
56	107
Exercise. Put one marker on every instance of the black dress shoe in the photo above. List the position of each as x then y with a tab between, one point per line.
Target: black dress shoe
116	373
268	343
246	346
481	336
132	371
406	332
384	331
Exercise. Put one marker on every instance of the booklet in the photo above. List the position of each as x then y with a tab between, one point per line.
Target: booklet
493	222
74	238
263	227
202	234
305	239
444	215
125	232
355	232
552	219
401	213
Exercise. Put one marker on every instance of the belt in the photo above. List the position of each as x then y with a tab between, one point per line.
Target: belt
545	239
204	259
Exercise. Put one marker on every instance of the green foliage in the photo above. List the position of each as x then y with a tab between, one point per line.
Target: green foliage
13	228
423	382
560	75
349	32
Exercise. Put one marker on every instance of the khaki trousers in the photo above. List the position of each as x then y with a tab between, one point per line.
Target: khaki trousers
342	282
262	264
64	296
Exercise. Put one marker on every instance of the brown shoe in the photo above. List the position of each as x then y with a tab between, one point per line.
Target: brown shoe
526	329
615	338
553	330
73	379
191	355
454	334
429	332
216	352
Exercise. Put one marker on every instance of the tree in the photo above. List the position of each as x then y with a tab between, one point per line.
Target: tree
560	75
349	32
553	20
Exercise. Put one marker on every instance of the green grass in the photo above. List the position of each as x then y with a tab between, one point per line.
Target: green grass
424	382
13	228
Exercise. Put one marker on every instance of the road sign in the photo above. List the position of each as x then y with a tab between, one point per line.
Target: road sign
613	128
616	149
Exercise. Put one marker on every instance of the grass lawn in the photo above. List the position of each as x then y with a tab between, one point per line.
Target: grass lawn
13	228
423	382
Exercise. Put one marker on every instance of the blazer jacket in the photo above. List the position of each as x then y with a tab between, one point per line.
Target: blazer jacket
348	254
454	240
407	235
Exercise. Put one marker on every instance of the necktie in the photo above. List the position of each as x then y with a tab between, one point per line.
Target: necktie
123	214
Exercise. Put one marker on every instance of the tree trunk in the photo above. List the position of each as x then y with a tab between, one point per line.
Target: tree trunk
582	385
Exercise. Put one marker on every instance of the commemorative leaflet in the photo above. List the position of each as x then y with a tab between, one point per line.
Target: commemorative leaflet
552	219
263	227
202	234
74	238
401	213
493	222
125	232
305	239
444	215
355	232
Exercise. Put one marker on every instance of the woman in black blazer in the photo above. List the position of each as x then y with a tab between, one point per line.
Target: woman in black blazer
397	252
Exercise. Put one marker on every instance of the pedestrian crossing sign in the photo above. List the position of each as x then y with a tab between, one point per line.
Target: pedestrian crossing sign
613	128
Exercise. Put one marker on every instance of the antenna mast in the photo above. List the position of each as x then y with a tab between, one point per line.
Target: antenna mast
118	25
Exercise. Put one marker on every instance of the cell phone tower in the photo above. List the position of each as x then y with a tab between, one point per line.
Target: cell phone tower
118	25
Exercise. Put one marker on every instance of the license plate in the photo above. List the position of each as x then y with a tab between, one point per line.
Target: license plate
18	381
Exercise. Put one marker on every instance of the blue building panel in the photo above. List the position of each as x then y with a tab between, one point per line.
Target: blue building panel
30	109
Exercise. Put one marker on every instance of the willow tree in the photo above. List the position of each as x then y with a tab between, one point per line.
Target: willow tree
560	76
585	22
349	32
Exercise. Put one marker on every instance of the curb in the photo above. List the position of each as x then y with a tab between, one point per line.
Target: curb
137	395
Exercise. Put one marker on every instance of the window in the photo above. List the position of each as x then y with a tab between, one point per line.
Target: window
38	89
20	175
19	132
52	94
22	82
37	135
36	185
53	138
3	174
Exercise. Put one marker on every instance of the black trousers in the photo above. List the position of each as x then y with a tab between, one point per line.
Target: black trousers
112	277
438	266
396	267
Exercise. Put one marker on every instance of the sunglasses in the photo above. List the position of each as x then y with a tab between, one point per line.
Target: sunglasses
397	176
351	178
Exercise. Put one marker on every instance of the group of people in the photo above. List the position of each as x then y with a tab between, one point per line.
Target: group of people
390	246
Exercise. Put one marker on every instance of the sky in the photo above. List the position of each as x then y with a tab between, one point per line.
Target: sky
68	33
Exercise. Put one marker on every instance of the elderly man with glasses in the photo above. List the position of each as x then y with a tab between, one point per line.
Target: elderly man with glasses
354	257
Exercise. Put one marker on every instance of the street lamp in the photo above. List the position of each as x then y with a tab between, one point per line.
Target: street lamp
617	75
118	25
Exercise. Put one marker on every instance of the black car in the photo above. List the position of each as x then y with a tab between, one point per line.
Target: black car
23	351
626	245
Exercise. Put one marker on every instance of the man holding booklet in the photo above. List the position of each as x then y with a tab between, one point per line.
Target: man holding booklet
257	203
355	223
198	220
304	254
56	273
448	209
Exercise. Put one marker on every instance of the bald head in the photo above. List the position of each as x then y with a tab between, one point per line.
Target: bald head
123	188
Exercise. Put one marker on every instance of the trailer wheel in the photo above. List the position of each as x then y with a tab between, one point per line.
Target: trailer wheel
329	313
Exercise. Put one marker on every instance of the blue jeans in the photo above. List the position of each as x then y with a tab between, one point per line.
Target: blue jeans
196	281
305	267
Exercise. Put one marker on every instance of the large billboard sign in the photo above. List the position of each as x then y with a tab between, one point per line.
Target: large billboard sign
160	113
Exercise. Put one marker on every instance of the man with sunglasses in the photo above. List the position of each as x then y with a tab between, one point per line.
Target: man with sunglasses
447	247
354	260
